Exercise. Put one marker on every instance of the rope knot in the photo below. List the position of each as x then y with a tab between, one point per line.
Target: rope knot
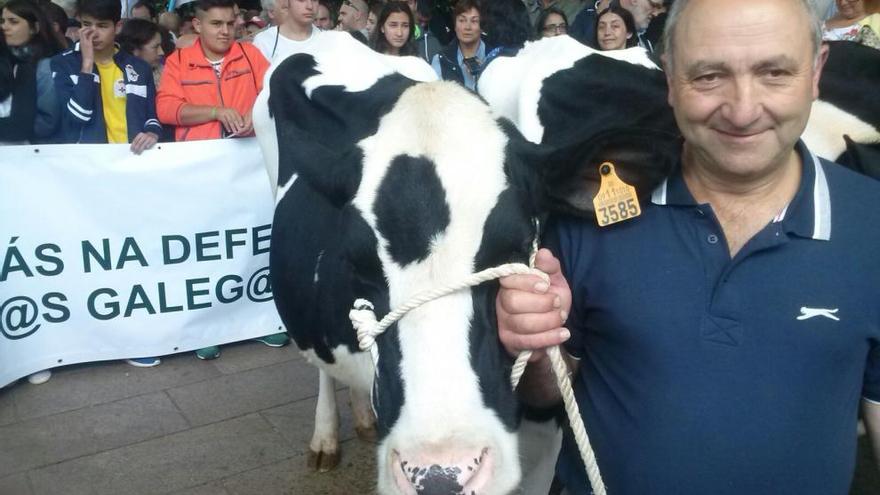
363	319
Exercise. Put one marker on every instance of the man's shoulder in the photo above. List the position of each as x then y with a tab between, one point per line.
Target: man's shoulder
846	182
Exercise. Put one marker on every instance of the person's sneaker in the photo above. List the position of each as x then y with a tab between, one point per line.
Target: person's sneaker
147	362
207	353
40	377
274	340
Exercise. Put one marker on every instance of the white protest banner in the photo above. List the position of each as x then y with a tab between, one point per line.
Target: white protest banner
109	255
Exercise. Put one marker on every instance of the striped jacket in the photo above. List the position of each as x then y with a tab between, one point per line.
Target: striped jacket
79	95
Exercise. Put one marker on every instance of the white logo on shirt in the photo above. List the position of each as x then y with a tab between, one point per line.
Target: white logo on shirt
131	73
807	313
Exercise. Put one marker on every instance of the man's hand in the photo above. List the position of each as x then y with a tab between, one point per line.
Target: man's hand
232	121
248	127
143	141
531	312
871	415
86	49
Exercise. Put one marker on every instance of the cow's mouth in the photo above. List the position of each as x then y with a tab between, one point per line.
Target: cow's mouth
465	476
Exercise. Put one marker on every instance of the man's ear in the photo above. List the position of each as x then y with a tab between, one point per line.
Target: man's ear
197	25
118	26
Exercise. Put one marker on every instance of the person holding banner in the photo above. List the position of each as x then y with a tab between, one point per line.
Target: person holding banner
223	79
107	95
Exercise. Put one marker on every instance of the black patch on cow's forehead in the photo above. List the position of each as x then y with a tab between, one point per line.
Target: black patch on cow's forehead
849	80
410	208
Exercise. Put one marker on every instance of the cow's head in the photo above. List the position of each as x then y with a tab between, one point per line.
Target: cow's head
432	186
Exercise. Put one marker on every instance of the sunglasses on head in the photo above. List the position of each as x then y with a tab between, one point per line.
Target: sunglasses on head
347	2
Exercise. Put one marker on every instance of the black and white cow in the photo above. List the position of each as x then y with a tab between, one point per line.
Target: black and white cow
387	187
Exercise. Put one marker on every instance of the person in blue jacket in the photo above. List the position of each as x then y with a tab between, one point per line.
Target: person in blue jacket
106	94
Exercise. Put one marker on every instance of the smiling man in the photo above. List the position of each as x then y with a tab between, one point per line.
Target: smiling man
724	341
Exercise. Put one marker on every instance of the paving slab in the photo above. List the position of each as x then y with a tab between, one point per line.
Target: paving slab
48	440
171	463
244	356
78	386
214	488
356	474
7	406
250	391
17	484
296	421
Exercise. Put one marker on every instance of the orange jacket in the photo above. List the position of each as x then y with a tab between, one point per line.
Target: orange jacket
188	78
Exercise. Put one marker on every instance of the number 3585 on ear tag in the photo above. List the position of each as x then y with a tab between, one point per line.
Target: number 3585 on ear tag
616	200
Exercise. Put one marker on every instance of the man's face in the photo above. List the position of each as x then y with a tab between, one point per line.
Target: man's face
141	13
350	16
741	83
103	31
302	12
467	27
641	11
322	18
216	28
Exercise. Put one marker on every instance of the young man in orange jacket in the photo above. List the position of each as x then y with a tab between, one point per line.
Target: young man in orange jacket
208	89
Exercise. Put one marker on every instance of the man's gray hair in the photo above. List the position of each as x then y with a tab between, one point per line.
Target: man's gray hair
267	4
680	5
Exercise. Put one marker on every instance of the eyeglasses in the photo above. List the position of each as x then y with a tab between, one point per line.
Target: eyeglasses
347	2
560	28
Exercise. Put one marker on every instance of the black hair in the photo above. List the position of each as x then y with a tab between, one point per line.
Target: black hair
55	14
44	42
506	23
206	5
462	6
102	10
542	18
168	45
628	21
136	33
7	73
144	3
380	43
331	8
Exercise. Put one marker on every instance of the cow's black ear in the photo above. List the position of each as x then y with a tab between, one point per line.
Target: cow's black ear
642	159
319	126
863	158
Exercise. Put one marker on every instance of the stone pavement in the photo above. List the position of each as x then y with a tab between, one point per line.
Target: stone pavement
233	426
238	425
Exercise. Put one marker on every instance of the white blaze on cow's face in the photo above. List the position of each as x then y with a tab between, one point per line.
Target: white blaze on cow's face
442	140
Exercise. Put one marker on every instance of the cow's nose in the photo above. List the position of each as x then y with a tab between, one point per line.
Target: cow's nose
433	472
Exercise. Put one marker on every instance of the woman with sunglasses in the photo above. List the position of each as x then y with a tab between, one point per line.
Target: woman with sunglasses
552	22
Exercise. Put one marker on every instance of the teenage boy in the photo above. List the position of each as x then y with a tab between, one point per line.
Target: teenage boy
222	80
208	89
294	32
107	95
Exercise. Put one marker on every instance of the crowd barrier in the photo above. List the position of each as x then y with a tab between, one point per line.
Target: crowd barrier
109	255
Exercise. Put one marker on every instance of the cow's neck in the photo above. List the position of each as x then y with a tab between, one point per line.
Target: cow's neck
745	206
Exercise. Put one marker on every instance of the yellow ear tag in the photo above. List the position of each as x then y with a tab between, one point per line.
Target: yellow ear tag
616	200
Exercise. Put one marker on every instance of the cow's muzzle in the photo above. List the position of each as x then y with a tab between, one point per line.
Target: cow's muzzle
439	472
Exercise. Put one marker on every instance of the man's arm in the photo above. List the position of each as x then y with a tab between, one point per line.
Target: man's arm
530	314
871	415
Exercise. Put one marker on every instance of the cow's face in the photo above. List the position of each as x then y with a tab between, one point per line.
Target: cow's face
438	203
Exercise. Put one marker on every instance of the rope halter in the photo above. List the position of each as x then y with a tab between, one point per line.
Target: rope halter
363	319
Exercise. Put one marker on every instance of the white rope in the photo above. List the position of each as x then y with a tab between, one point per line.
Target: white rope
364	321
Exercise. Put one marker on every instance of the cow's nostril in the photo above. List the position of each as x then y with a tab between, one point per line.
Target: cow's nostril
427	474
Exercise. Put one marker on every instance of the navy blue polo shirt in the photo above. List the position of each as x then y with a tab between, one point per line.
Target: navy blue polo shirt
701	374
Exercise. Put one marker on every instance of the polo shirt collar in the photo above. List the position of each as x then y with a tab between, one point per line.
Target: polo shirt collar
808	214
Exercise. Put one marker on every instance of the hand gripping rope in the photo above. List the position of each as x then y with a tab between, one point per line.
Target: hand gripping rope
368	328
